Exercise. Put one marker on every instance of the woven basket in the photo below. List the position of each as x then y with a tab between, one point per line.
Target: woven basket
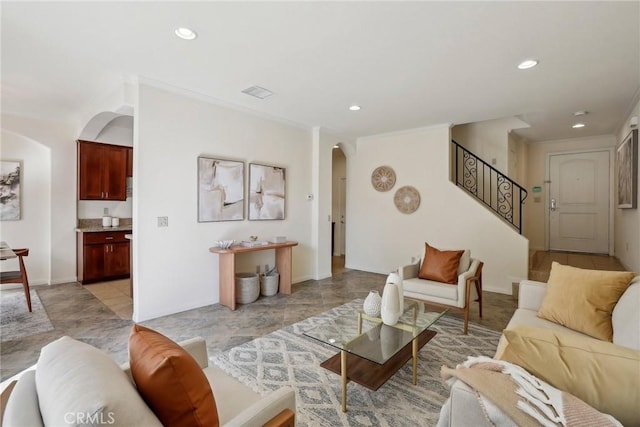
247	288
269	284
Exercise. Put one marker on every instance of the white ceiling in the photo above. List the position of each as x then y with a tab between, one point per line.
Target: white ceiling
408	64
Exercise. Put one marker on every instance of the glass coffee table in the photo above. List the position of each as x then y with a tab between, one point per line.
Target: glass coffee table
372	352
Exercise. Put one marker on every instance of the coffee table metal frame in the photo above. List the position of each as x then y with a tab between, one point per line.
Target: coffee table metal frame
408	323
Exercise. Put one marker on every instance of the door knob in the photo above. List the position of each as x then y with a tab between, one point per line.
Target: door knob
552	205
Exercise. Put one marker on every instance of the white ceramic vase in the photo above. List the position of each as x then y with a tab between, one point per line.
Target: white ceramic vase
390	309
394	277
372	303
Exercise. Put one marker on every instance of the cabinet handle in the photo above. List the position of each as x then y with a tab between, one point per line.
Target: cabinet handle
108	238
102	194
107	195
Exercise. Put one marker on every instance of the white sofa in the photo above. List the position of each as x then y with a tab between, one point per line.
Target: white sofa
29	399
462	408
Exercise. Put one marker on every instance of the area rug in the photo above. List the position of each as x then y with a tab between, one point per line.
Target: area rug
16	321
287	358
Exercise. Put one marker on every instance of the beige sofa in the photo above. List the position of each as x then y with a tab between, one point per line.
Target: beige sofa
462	408
76	384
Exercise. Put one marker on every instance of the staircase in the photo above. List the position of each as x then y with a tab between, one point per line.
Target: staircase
496	191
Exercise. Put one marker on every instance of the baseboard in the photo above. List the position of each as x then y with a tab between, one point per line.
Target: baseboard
324	275
367	269
497	290
303	278
64	280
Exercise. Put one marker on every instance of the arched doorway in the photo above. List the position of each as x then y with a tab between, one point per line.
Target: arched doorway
339	209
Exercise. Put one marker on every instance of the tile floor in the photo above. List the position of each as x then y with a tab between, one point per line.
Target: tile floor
77	312
116	295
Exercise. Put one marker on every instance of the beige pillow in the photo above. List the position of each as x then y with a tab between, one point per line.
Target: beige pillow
602	374
78	385
440	266
583	300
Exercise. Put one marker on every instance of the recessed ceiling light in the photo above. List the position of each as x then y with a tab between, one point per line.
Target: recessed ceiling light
578	125
526	64
354	108
336	146
186	33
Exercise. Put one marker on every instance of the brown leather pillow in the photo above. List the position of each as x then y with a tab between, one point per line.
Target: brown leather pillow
440	266
170	380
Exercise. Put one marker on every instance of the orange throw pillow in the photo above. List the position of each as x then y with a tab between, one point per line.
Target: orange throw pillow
440	266
170	380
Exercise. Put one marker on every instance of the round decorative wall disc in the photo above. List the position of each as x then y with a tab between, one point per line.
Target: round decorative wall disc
383	178
407	199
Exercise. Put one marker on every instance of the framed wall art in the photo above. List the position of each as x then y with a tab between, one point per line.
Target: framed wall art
220	190
10	190
266	192
627	167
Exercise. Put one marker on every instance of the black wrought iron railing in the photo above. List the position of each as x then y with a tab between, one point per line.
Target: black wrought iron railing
494	189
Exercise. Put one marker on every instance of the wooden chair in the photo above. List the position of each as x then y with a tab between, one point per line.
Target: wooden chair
18	276
450	296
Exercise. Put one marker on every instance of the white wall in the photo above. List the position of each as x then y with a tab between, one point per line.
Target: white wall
489	140
627	221
173	268
58	242
380	238
534	210
33	230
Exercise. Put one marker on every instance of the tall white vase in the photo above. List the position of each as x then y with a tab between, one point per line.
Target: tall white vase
394	277
390	309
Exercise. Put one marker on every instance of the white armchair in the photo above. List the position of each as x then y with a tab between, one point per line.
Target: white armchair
447	295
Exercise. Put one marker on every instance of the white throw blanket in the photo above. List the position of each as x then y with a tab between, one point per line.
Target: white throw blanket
547	405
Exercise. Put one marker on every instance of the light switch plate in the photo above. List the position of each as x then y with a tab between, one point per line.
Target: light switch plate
163	221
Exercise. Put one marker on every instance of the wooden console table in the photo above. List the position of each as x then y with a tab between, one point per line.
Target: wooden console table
227	268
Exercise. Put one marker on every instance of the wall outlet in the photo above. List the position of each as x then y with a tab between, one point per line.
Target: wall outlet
105	211
258	269
163	221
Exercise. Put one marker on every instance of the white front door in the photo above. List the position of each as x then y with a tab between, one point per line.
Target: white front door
579	202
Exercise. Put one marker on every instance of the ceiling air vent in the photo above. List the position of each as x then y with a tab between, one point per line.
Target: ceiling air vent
258	92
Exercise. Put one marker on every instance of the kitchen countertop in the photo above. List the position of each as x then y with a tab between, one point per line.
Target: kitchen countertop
94	225
99	229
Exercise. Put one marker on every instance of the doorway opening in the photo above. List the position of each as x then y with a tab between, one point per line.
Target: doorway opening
338	210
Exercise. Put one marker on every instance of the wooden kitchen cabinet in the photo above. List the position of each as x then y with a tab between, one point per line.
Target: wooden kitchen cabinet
102	171
103	256
129	162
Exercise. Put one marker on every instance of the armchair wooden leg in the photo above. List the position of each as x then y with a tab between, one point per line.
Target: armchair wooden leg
27	294
466	320
479	290
467	304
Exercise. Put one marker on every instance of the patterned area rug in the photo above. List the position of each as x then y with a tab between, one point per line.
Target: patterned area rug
16	321
287	358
